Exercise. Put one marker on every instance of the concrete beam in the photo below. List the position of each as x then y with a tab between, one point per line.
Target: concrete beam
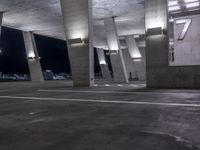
33	57
103	64
77	16
116	55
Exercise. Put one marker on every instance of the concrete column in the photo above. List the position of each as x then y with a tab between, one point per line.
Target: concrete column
116	56
133	48
156	17
103	64
77	16
137	59
1	20
33	57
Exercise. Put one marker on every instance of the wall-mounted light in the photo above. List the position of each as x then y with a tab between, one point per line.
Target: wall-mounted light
112	52
172	3
174	8
136	36
139	59
155	31
192	5
77	41
31	56
101	56
171	19
102	62
189	1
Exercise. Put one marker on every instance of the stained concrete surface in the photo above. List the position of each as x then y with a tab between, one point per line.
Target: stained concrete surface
30	119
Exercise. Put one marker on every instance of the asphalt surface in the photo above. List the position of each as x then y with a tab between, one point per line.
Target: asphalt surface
55	116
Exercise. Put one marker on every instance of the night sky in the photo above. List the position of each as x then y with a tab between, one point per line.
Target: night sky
53	53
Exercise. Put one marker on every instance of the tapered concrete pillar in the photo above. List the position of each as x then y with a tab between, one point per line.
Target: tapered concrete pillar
33	57
1	21
77	16
133	48
139	67
103	64
116	56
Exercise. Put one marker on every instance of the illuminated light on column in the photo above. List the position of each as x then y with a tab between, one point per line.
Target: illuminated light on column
174	8
137	59
30	45
101	56
172	3
189	1
192	5
171	19
132	47
31	55
77	34
102	62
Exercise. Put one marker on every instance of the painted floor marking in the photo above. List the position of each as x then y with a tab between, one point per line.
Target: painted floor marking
112	92
100	101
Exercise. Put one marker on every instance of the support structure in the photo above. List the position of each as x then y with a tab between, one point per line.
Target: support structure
133	48
159	73
77	16
116	56
137	59
103	64
33	57
1	21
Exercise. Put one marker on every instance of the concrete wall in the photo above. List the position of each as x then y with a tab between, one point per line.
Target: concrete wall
159	73
187	51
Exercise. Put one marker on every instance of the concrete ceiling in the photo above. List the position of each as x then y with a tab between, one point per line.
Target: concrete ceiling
44	17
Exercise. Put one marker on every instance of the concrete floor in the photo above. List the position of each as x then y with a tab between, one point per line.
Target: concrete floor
54	116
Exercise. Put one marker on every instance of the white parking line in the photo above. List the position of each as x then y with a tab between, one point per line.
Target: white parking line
114	92
99	101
